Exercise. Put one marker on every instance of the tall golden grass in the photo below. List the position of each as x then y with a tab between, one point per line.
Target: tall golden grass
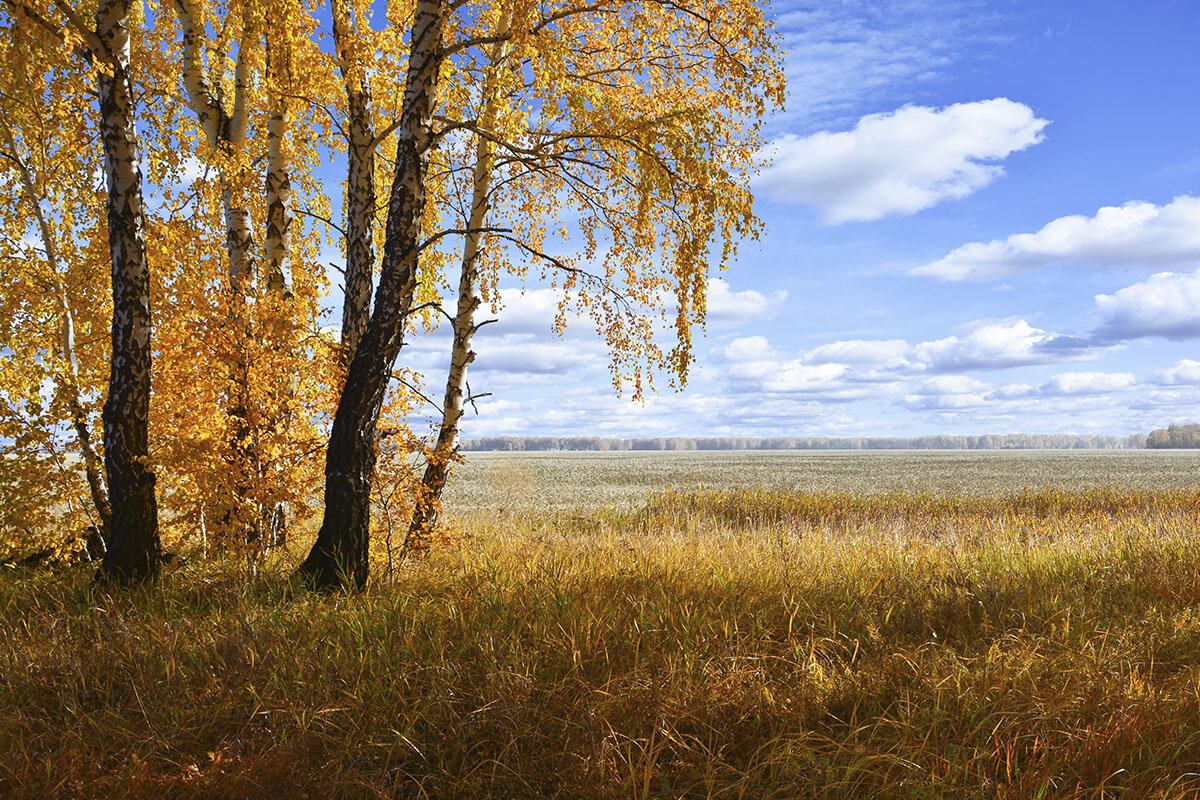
737	644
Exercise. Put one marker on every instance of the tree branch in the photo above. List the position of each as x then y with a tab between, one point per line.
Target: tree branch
320	218
459	232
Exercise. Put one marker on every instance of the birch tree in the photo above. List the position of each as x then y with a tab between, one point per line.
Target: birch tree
353	47
463	323
134	552
224	124
339	556
637	154
242	103
671	154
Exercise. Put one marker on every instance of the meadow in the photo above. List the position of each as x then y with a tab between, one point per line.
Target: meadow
833	625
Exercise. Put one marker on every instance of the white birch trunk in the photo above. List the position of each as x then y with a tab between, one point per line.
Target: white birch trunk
279	185
437	467
360	187
224	131
134	551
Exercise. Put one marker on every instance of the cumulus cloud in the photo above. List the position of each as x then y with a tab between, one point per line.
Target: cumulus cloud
950	384
857	369
727	307
1156	401
752	366
1166	304
492	407
1061	392
521	355
979	345
998	344
1185	372
900	162
1133	235
1068	384
1071	384
795	376
531	311
1013	390
744	348
947	392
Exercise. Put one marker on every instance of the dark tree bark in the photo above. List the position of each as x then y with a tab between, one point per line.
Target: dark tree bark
339	557
133	553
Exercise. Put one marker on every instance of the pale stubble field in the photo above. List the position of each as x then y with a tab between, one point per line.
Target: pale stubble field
588	480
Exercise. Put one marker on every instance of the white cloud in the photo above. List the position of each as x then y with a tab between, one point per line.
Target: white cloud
859	369
1185	372
754	367
1062	393
1133	235
1086	383
1166	304
950	384
1172	400
857	351
519	354
997	344
1013	390
531	311
727	307
947	392
900	162
745	348
493	408
795	377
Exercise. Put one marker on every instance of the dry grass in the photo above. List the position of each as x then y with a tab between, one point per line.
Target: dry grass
741	643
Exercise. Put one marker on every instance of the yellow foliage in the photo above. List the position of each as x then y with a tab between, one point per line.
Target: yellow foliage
625	134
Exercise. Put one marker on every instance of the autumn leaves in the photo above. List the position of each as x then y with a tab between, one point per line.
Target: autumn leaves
600	148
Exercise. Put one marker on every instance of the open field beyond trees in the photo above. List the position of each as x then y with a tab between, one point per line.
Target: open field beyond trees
980	640
588	480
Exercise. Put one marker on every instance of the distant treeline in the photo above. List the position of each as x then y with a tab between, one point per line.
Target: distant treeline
1012	441
1177	436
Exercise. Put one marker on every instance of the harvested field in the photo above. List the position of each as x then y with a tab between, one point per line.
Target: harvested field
590	480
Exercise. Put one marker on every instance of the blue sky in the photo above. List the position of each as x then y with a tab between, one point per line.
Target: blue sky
984	217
